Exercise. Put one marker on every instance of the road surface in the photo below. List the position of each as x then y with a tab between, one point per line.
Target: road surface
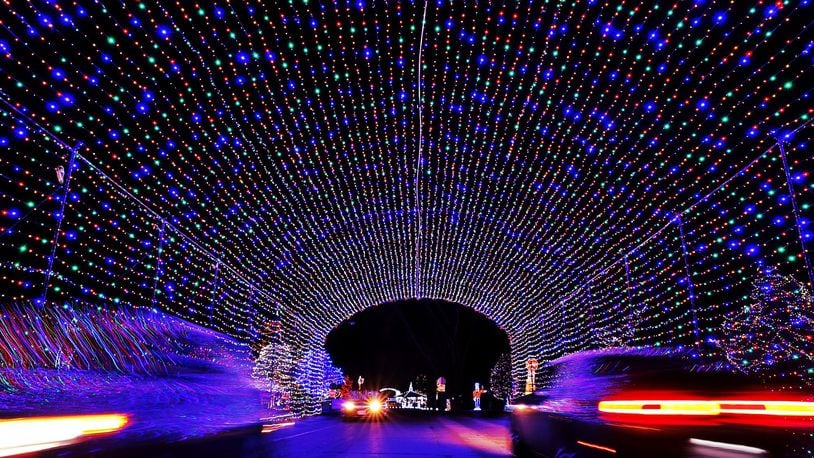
401	436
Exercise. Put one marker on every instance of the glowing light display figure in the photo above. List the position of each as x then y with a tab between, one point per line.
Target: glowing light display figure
306	161
476	394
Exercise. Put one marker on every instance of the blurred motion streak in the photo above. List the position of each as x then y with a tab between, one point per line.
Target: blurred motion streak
727	446
26	435
274	427
597	447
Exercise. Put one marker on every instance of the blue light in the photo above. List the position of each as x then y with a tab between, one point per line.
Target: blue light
242	57
720	18
163	31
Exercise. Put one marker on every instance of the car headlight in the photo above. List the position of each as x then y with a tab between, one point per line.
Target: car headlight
349	405
374	405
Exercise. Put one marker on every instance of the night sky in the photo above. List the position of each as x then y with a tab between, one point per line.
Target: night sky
391	344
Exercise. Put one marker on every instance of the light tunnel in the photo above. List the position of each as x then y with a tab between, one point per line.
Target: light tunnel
587	174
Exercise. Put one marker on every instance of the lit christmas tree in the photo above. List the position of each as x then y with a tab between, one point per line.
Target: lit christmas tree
772	337
501	377
307	388
347	387
272	371
332	374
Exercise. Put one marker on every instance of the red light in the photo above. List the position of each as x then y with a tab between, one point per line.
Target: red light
597	447
766	409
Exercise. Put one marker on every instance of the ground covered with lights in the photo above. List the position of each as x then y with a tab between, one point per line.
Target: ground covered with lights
586	174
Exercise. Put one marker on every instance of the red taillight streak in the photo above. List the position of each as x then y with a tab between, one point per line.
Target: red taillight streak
597	447
774	413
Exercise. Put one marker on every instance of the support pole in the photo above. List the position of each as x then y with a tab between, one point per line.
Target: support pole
627	282
158	260
252	331
66	188
796	213
214	292
632	315
591	321
690	288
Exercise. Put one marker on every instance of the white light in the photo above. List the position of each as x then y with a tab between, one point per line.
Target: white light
26	435
375	406
728	446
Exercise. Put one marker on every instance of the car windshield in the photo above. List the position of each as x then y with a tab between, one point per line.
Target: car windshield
643	371
670	372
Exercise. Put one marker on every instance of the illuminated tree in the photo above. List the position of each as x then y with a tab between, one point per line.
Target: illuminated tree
272	371
347	387
772	337
501	377
332	374
307	373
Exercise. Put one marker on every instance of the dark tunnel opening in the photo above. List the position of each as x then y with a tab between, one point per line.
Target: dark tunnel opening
418	341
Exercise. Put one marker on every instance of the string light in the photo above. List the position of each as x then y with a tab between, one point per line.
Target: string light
278	147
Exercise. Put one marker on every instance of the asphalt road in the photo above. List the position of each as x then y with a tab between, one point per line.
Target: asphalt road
400	436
